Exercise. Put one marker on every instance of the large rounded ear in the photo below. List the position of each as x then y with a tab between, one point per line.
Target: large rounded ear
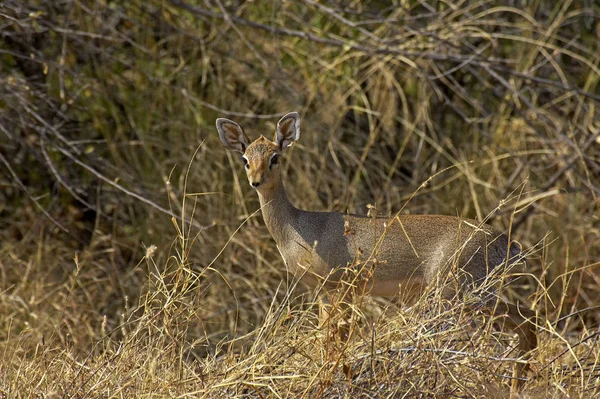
288	130
232	135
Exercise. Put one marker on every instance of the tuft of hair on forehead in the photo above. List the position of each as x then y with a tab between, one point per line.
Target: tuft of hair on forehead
262	139
261	145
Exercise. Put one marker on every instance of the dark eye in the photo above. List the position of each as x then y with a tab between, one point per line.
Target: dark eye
246	164
274	159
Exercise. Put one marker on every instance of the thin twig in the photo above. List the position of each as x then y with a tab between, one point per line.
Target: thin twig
126	191
554	178
35	201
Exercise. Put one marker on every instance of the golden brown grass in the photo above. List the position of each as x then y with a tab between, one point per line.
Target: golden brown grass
134	263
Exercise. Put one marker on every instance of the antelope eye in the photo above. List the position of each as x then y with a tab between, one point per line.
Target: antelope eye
246	164
274	159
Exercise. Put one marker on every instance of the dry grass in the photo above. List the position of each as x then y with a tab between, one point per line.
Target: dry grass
133	262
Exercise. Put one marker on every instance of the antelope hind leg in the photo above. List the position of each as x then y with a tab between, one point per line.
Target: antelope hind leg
523	322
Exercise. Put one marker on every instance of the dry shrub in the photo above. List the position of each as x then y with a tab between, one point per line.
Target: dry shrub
133	261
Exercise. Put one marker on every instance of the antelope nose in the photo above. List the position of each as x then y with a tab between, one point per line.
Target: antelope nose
255	184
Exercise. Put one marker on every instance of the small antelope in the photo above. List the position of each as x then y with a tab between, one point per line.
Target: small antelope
403	254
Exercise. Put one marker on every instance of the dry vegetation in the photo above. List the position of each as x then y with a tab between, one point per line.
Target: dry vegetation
133	262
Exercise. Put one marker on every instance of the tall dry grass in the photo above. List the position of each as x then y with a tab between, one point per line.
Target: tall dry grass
134	263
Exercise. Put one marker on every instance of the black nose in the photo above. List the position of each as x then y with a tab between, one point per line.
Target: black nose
255	183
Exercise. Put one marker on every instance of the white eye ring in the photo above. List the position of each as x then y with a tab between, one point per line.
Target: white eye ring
273	160
246	163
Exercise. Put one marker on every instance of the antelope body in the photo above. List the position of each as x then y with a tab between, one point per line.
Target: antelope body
402	254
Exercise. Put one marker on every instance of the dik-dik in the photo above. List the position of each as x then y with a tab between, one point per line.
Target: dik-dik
402	253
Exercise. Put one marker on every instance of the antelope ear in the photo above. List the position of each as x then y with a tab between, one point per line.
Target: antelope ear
288	130
232	135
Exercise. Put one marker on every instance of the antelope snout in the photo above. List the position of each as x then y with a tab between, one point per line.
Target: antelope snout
255	184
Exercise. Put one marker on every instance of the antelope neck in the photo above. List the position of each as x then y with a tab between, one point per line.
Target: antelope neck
278	212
